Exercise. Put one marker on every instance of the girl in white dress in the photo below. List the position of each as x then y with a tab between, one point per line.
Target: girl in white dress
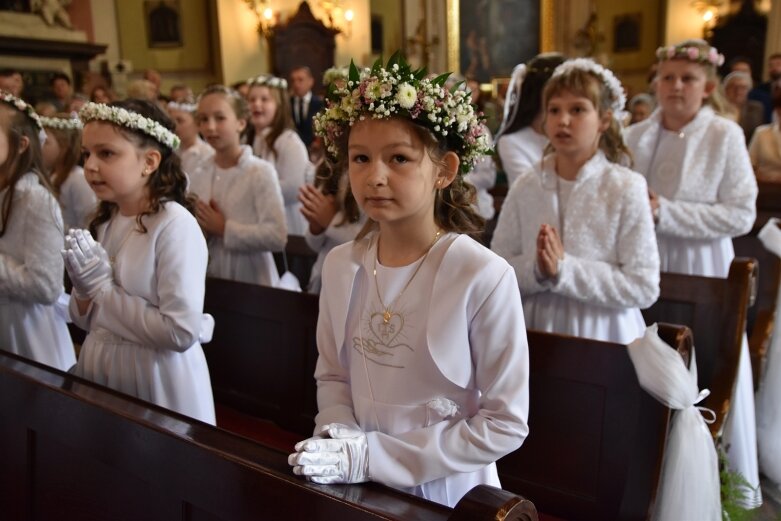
31	235
240	203
273	137
193	150
703	192
423	368
521	139
139	292
61	155
578	229
333	216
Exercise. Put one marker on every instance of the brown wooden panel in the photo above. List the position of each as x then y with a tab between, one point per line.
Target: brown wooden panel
768	203
715	310
75	450
596	439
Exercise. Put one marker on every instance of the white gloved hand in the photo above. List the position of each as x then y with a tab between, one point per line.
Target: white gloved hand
87	263
338	454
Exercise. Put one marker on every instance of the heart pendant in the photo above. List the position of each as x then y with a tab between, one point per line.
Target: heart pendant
386	326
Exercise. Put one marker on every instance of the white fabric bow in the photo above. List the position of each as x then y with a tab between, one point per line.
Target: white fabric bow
770	235
689	485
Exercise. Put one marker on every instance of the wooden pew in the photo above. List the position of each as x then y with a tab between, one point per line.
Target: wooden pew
300	259
761	317
608	471
596	439
72	449
263	353
768	203
715	309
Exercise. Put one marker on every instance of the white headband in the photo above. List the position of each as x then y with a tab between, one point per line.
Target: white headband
607	77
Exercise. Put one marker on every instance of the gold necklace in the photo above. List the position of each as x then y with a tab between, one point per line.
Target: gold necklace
386	310
113	258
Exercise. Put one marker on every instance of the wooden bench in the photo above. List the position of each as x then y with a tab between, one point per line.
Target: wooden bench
596	439
761	317
300	259
263	354
768	203
72	449
715	309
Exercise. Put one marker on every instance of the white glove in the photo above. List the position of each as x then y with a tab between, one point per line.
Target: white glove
338	454
87	263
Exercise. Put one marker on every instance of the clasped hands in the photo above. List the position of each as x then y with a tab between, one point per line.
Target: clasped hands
337	454
87	263
550	251
318	208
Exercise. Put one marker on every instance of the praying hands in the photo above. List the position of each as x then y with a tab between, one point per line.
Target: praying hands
550	251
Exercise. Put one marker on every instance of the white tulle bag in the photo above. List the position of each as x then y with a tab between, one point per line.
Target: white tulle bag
689	485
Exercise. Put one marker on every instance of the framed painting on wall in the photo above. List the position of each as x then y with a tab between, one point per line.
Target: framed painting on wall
163	23
494	36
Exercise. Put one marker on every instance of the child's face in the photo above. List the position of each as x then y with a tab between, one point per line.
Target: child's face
50	150
218	122
262	106
115	168
186	128
392	176
681	88
573	125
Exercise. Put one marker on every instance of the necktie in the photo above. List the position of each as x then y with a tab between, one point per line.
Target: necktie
300	111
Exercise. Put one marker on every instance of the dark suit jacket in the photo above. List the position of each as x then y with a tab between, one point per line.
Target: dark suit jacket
304	128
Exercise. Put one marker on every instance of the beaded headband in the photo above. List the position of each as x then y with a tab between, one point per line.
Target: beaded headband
267	80
608	78
128	119
397	91
184	107
25	108
692	53
70	123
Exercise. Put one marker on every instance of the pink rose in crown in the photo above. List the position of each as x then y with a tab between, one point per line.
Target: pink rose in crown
670	52
693	53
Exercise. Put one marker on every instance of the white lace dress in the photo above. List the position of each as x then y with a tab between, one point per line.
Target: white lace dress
248	194
611	264
31	275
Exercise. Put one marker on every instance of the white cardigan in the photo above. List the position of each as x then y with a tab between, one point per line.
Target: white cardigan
476	338
610	255
717	191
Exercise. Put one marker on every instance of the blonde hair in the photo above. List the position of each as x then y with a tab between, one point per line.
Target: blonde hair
716	98
582	82
283	117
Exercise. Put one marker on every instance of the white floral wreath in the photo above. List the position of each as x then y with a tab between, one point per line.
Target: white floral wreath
25	108
184	107
607	77
70	123
398	91
709	56
332	74
267	80
131	120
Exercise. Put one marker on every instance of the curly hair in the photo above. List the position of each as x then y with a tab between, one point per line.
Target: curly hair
167	183
283	118
454	209
17	126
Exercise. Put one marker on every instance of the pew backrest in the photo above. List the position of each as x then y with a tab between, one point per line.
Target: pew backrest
761	317
72	449
263	352
715	310
768	203
298	258
596	439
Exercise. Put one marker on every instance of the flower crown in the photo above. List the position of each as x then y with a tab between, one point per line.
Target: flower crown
691	53
608	78
332	74
268	80
184	107
398	91
131	120
24	107
69	123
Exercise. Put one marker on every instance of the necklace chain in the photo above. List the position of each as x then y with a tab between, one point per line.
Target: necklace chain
113	258
386	310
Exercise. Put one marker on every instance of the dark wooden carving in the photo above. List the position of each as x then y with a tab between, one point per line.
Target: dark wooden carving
742	34
715	309
303	40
